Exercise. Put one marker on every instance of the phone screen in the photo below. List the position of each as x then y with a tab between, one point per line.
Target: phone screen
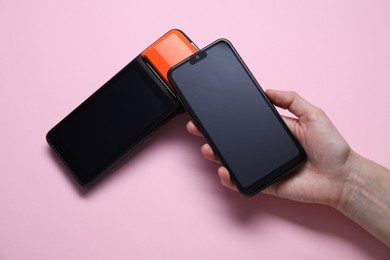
114	120
235	116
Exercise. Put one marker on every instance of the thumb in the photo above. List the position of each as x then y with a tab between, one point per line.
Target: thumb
291	101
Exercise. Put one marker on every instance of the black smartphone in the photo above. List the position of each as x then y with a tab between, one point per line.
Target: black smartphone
120	115
115	119
230	108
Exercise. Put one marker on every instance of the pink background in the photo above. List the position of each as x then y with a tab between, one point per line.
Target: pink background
165	201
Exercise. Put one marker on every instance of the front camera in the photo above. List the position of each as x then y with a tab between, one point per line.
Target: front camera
197	57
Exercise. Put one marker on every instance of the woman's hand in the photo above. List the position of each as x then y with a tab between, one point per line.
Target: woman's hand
321	178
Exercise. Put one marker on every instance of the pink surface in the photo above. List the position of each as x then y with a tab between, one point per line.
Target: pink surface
165	201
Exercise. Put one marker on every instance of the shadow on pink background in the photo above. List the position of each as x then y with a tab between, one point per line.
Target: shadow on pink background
165	201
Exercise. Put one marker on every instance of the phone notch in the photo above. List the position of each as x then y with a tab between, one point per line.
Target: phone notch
198	57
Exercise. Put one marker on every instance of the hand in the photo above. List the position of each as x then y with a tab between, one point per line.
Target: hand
334	174
321	179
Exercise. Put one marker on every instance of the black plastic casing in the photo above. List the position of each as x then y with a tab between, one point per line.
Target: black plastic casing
97	134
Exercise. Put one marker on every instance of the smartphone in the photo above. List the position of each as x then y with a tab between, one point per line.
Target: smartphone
231	110
120	115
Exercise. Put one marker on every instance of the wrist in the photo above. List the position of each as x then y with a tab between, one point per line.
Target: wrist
365	197
351	182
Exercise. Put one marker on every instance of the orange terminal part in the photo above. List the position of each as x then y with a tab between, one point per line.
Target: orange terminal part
167	51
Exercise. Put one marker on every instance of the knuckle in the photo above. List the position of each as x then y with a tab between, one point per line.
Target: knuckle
318	113
294	94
